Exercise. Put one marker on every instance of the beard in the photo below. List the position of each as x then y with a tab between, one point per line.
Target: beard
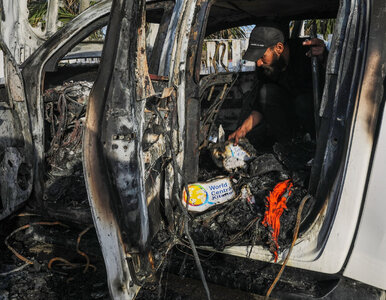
275	68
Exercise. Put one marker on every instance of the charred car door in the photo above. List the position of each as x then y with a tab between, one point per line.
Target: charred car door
22	147
134	143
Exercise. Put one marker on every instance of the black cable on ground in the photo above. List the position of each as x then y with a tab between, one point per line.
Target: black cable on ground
184	209
296	232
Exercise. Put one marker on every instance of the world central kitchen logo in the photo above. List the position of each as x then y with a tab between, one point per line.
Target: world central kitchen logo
218	191
208	194
197	195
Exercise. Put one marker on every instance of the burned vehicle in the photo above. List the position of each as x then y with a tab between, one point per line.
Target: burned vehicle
139	130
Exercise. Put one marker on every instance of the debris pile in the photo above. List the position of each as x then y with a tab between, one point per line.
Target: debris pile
268	184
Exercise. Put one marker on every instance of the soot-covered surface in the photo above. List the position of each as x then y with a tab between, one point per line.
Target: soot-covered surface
239	221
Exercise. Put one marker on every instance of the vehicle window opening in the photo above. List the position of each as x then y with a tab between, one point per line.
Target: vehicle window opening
158	17
88	51
65	96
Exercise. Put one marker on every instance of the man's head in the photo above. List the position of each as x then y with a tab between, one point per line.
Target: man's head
266	46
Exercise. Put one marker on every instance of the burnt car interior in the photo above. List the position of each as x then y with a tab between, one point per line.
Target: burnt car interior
221	94
221	108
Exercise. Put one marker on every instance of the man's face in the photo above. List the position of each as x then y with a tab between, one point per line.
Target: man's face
269	57
271	62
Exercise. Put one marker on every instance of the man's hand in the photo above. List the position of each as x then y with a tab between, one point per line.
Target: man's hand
254	118
317	47
238	134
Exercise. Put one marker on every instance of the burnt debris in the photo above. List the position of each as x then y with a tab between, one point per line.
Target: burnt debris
240	221
65	109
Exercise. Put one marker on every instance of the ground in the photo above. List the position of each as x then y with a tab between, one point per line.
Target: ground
228	277
61	280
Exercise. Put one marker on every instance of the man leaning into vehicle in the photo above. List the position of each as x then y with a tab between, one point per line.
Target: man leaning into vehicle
283	100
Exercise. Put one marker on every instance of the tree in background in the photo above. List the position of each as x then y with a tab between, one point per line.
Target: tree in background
68	10
231	33
323	27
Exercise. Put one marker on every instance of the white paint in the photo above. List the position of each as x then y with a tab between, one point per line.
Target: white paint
166	54
52	16
151	35
239	46
210	50
2	79
367	262
178	64
16	31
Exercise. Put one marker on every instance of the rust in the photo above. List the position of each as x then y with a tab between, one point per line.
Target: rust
98	186
158	78
167	92
144	85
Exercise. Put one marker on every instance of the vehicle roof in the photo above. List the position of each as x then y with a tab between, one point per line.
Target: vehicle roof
231	13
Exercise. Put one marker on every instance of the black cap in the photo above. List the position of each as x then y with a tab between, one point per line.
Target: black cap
260	39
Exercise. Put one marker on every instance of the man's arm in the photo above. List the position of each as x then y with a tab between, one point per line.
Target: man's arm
254	118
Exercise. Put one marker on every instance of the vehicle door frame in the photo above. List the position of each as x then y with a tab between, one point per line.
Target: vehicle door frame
45	59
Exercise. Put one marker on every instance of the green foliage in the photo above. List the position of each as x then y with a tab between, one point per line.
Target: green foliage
231	33
96	36
67	12
65	15
37	13
70	10
323	27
